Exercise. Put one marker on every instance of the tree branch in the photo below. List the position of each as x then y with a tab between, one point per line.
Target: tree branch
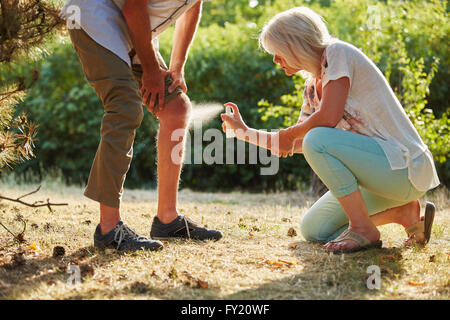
35	204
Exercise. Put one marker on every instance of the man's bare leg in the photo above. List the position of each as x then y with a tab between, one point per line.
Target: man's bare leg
169	224
174	116
109	218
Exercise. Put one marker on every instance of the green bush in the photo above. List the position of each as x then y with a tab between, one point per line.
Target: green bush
226	65
407	48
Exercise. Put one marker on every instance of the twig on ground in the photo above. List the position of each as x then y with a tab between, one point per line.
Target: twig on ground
20	237
35	204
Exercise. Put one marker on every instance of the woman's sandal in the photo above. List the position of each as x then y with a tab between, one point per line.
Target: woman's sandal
362	241
424	225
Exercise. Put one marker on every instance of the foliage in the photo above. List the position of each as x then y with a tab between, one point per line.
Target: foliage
225	64
23	26
406	47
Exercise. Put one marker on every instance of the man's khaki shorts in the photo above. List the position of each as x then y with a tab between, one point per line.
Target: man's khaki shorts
137	71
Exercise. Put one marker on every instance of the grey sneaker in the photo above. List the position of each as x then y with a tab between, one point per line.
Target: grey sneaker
123	238
182	228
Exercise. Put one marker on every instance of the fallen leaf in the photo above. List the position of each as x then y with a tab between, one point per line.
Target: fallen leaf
21	237
281	263
202	284
275	263
290	263
34	247
86	269
415	283
109	251
104	280
386	270
293	245
292	232
390	242
391	294
387	257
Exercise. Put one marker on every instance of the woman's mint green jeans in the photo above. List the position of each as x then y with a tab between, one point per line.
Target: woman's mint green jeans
346	161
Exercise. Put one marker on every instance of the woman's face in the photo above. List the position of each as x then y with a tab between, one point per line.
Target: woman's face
283	64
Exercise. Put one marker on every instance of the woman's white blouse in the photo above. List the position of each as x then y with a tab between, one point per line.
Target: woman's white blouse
373	109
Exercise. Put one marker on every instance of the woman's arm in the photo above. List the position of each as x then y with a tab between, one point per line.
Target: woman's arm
260	138
298	146
331	110
235	122
289	141
330	113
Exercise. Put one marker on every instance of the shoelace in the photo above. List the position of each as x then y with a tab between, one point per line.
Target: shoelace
187	227
122	232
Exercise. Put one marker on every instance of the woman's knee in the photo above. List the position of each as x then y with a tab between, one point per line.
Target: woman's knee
309	228
323	219
315	138
316	231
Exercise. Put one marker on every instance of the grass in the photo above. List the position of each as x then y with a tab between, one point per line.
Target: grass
246	264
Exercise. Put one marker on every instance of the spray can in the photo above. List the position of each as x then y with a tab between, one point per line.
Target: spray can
230	132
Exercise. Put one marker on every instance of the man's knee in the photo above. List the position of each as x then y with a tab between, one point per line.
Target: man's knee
175	114
126	119
123	106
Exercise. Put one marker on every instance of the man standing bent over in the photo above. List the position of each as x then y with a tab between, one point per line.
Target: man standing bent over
117	46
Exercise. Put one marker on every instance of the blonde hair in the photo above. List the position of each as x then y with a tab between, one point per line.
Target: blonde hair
298	35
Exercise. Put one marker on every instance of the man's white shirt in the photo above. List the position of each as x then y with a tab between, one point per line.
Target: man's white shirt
103	21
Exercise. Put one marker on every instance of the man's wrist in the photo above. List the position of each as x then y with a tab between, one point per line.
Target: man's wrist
150	67
177	67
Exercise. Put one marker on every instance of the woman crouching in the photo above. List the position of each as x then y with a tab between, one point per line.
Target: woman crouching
354	134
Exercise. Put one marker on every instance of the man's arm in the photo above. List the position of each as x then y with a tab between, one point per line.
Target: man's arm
138	21
185	29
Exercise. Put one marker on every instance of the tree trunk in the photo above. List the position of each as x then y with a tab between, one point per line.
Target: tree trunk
317	187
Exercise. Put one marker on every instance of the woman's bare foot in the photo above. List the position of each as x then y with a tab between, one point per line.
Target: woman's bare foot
368	231
410	215
406	215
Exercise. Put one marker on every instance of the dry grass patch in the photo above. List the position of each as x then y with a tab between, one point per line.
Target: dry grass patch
257	259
